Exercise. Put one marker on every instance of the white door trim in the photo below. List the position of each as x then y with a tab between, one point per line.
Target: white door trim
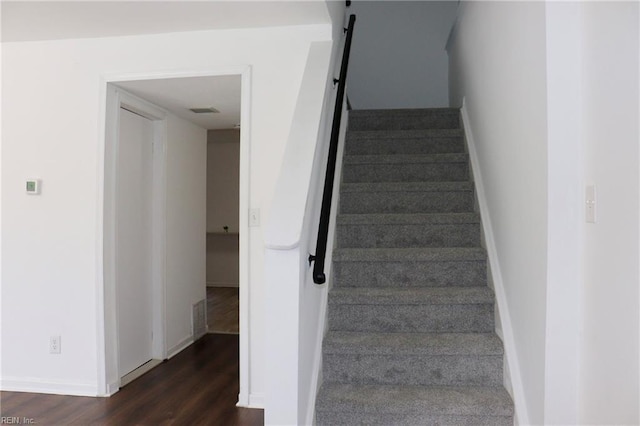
116	99
105	323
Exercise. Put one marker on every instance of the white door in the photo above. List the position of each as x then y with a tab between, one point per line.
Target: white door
133	241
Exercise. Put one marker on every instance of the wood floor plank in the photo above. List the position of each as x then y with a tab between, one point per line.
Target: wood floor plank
223	310
199	386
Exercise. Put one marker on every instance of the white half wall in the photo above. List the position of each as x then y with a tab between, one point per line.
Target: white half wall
296	305
398	57
53	125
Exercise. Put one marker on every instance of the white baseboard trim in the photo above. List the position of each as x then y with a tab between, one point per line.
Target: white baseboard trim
182	345
253	400
112	388
316	378
515	386
256	400
222	284
138	372
35	385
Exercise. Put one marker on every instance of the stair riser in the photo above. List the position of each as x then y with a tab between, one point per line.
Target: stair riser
414	172
412	318
396	236
404	122
410	274
355	418
406	202
425	145
454	370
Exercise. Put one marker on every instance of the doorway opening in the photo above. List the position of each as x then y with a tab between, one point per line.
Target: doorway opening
223	169
164	103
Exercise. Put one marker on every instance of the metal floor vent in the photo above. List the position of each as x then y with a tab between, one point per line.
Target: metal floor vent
199	320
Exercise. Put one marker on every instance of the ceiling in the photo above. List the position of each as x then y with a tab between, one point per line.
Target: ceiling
177	95
26	20
49	20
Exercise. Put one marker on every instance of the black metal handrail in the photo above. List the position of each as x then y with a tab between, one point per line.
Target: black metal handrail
323	228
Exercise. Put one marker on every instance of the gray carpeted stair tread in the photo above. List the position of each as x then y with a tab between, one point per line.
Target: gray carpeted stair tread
405	168
408	419
404	119
404	112
408	230
412	318
359	343
410	267
406	197
440	254
353	135
411	296
440	400
407	219
427	359
406	159
410	274
406	187
404	142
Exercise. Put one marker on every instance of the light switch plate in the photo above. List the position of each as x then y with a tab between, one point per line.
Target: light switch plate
254	217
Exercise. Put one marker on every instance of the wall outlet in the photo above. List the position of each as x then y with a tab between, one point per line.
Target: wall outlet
55	345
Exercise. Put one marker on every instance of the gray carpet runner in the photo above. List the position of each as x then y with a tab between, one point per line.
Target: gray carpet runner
410	336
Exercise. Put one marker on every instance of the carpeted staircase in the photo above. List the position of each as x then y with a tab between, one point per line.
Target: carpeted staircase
411	319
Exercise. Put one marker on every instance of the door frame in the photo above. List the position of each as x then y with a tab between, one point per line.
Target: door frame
118	98
157	245
106	332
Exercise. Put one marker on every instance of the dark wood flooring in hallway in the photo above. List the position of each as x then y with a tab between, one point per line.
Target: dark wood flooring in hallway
199	386
223	310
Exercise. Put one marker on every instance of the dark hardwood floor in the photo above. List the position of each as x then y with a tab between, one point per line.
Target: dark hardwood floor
199	386
223	310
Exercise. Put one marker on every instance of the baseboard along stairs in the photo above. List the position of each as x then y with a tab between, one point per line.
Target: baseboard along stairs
410	336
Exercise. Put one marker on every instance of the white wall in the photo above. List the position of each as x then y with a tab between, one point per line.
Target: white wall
223	260
52	129
609	365
552	105
565	225
186	227
223	179
398	58
497	63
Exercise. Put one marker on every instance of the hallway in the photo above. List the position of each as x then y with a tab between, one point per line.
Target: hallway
199	386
